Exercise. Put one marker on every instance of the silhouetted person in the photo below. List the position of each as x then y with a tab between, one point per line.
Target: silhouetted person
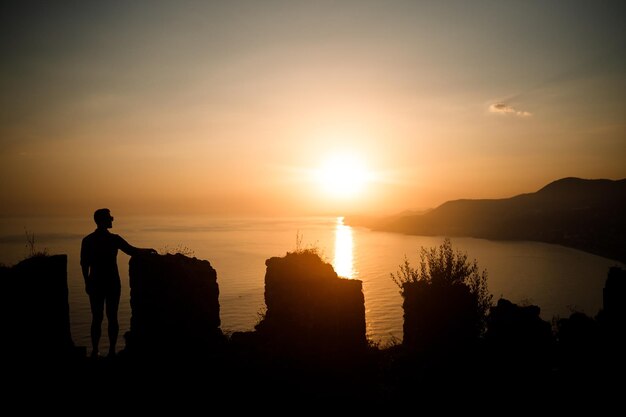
98	259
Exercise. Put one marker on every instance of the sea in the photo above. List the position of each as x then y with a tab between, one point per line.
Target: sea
558	279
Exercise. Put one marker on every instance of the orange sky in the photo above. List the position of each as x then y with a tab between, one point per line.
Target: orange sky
229	109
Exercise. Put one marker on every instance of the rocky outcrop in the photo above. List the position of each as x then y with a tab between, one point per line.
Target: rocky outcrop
518	332
614	296
175	306
35	308
612	317
311	311
439	317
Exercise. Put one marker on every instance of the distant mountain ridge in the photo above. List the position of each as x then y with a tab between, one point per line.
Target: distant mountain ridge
586	214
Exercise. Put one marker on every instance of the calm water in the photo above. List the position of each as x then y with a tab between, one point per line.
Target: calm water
557	279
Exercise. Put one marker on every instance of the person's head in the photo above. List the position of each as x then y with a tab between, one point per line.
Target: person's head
103	218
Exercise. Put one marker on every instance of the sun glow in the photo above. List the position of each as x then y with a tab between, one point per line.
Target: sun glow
342	176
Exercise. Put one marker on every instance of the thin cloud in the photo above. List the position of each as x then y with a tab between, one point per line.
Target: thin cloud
501	108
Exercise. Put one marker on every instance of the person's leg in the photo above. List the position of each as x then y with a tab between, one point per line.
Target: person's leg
96	301
112	304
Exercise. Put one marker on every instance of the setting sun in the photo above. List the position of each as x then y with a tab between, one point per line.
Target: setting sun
342	176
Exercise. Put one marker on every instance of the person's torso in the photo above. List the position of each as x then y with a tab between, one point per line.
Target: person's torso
101	249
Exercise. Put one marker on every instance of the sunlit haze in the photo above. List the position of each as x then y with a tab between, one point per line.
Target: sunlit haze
304	108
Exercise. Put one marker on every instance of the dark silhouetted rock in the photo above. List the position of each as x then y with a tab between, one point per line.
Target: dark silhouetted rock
518	337
579	343
612	319
311	312
175	306
35	308
439	316
614	295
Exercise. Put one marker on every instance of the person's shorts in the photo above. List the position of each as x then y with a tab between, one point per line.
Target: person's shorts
106	290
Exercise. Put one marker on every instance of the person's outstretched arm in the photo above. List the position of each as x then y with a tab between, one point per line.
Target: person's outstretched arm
131	250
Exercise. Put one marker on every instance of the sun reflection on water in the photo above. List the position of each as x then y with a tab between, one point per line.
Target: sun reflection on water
344	262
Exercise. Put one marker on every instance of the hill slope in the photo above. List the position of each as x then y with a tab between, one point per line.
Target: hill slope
585	214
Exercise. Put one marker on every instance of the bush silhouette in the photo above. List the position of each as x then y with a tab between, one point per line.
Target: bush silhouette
446	299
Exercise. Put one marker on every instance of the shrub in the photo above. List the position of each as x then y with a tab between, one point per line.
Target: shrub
443	267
